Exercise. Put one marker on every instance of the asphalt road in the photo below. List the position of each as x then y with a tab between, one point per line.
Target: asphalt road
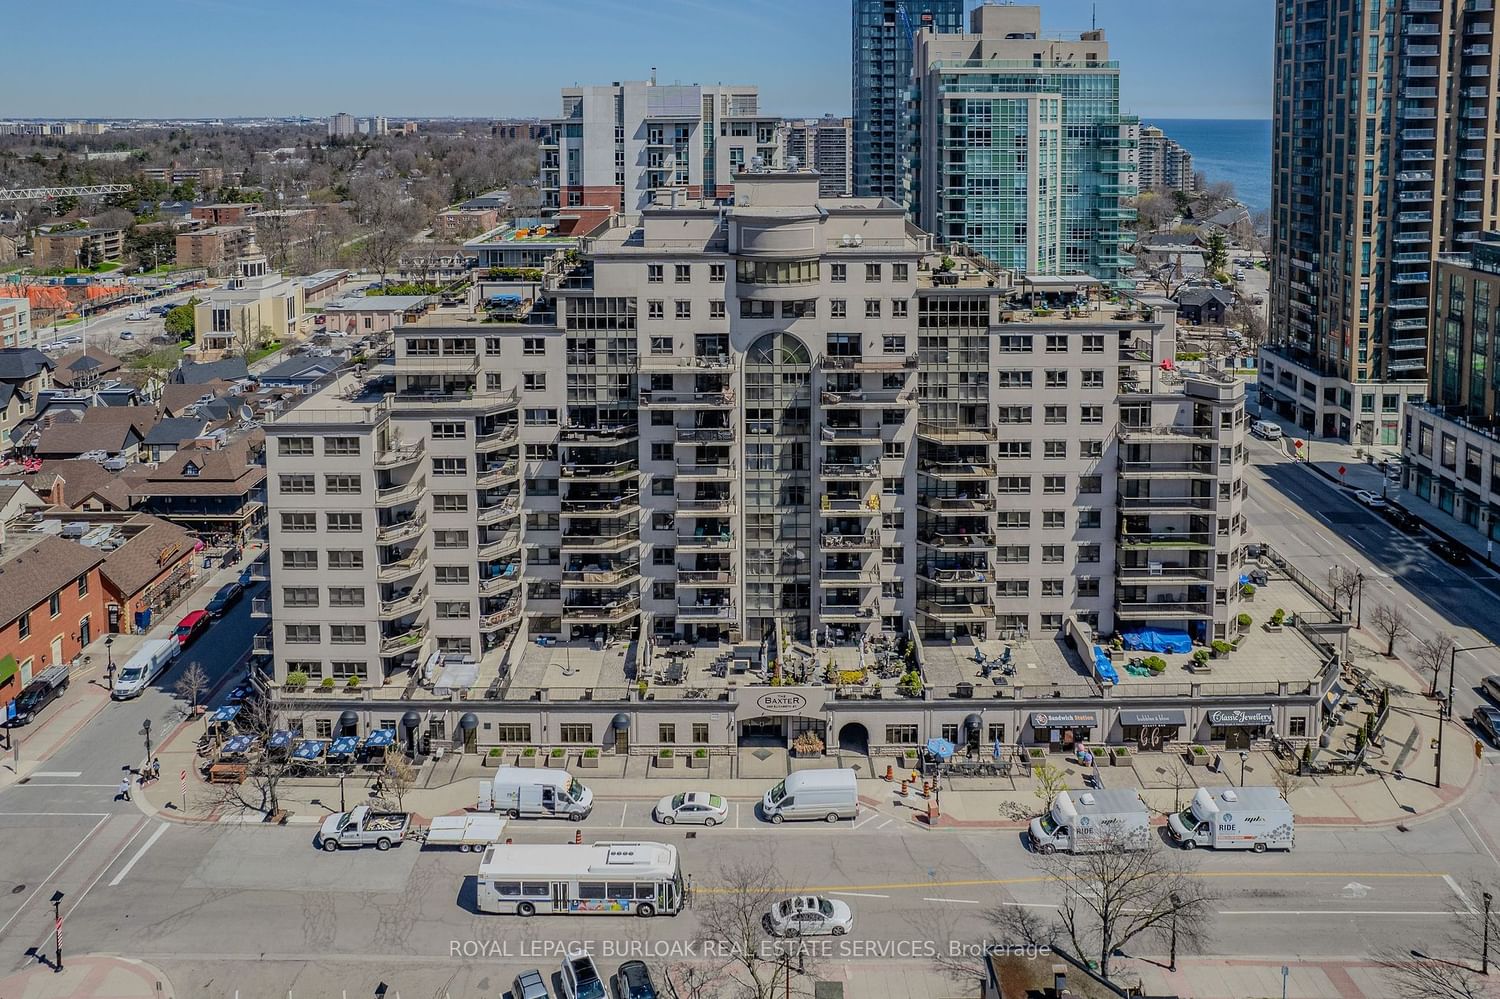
104	331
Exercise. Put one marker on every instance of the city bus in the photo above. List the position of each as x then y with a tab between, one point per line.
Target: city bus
621	879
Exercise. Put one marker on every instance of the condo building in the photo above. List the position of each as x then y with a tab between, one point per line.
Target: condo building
825	145
1021	154
1381	160
1163	163
744	472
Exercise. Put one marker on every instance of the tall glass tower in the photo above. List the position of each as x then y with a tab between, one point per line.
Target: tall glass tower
883	34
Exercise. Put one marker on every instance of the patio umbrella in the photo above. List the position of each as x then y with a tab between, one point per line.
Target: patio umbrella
380	738
941	748
343	746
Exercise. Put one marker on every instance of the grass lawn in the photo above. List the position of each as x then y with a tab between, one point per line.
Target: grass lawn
263	352
159	358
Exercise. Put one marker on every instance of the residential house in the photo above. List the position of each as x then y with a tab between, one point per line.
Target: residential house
301	372
1204	306
24	373
182	399
373	313
1180	255
51	606
212	493
79	484
16	497
460	223
85	369
228	369
172	434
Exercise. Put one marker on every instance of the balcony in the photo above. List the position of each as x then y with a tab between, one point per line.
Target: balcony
868	541
868	470
1164	609
1165	504
849	577
609	506
616	472
957	470
618	434
401	530
499	547
957	542
719	471
503	582
1163	573
707	612
390	609
871	398
850	435
954	505
260	607
486	443
603	543
404	493
705	435
402	641
705	507
1167	433
955	611
687	400
509	614
704	578
497	513
434	364
828	506
1163	541
848	612
1153	469
261	643
706	541
499	475
613	612
877	363
396	456
394	571
654	362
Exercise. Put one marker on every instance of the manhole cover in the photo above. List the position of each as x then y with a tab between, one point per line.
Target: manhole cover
18	889
761	754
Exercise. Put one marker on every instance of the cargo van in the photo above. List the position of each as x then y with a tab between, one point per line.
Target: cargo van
1266	430
813	794
149	662
1088	821
526	792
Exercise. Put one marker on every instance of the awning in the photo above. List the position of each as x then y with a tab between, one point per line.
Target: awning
1163	717
1240	717
1334	695
1064	719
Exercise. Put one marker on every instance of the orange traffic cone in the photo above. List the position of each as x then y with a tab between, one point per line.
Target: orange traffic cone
890	773
903	787
578	837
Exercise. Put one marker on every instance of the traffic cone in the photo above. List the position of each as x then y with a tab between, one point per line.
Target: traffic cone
926	789
890	773
903	787
578	837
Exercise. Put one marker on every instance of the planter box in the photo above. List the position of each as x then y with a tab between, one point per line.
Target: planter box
560	762
1273	627
907	762
493	761
1198	759
798	754
697	762
527	761
589	762
1120	759
665	762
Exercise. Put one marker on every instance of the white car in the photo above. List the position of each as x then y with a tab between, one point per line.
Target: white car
693	807
126	335
807	916
137	317
580	978
1370	500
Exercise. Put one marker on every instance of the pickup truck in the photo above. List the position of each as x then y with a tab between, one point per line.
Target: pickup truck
363	826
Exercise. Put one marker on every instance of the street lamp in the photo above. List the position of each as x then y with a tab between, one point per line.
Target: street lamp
1244	756
1445	709
1485	966
1176	904
57	898
146	728
109	670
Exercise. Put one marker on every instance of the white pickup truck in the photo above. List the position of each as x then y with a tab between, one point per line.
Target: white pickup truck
363	826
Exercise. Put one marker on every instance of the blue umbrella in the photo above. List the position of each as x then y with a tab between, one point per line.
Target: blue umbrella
279	739
380	738
237	745
308	749
226	713
343	746
941	748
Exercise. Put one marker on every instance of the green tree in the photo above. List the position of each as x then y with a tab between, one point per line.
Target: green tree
186	191
1218	252
179	321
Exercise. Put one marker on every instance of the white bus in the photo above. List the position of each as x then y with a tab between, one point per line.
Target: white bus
620	879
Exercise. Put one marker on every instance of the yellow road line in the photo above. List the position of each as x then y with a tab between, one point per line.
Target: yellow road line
1039	879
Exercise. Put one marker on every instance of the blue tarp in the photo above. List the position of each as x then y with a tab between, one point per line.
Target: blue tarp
1104	667
941	748
1156	640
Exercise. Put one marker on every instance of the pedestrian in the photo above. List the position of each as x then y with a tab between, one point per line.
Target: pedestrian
123	791
109	674
155	768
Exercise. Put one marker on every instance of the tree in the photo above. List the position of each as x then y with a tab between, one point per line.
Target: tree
1433	654
1390	623
1344	584
398	777
1286	780
259	792
730	919
192	684
180	321
1218	252
1419	974
1153	209
1050	782
1251	324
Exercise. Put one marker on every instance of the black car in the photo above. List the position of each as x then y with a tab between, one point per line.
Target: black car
40	692
1401	520
633	981
1487	720
229	594
1450	553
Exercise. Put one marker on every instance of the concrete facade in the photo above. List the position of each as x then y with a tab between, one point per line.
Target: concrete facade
15	323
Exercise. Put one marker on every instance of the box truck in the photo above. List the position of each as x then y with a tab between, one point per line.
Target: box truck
1235	818
813	794
1080	822
525	792
149	661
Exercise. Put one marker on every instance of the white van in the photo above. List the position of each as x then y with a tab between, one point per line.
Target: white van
1266	430
149	662
813	794
528	792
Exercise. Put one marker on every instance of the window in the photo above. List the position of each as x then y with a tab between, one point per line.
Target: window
700	733
899	308
1014	449
1296	727
1013	484
757	310
340	447
1057	378
1091	449
838	273
450	502
1093	343
1093	378
682	273
1088	554
450	539
654	273
541	452
24	625
450	466
1055	414
1054	483
1012	378
344	669
541	417
900	272
662	346
450	575
799	308
294	447
1012	588
54	604
716	309
512	732
656	309
1088	586
341	559
298	558
295	485
1012	554
341	485
838	308
1088	518
1057	343
1091	414
1090	485
872	272
575	733
346	634
666	732
1054	553
345	521
453	610
872	308
299	522
534	345
346	596
534	381
901	734
1052	587
683	308
716	273
893	343
1013	414
303	634
83	586
661	451
1054	449
1013	520
1054	519
663	556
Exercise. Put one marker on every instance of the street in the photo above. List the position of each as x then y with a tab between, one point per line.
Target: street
103	331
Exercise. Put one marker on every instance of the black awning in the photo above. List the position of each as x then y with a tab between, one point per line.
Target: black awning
1241	717
1064	719
1162	717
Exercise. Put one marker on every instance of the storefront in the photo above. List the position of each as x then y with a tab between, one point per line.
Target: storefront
1236	728
1061	730
1151	730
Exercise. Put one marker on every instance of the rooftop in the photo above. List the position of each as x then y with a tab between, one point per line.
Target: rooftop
539	231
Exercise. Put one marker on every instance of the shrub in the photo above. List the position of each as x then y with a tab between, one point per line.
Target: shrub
592	753
1222	648
700	753
514	273
1245	620
496	752
1200	656
529	751
296	678
1155	664
1037	753
665	754
1121	752
910	754
353	683
559	753
911	683
1278	617
327	683
1247	591
1198	750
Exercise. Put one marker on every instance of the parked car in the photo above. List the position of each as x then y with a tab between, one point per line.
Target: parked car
809	915
1450	553
1369	499
580	978
190	627
633	981
1491	687
229	594
126	335
1486	719
694	807
43	689
1401	520
529	985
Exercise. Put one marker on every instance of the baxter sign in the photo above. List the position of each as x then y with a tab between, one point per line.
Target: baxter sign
781	702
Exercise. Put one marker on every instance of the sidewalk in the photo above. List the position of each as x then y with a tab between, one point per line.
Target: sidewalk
1251	978
89	976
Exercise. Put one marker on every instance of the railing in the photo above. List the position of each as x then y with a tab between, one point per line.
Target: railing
704	577
862	470
936	540
847	505
848	610
260	607
1170	431
716	400
1148	503
497	512
405	567
1164	573
604	612
1192	608
715	471
858	577
694	507
588	541
509	541
599	435
690	542
829	363
500	583
960	577
400	494
719	362
870	539
388	534
951	469
954	505
705	435
394	456
401	642
939	610
706	612
619	469
496	439
503	616
934	431
402	605
498	474
1206	467
867	397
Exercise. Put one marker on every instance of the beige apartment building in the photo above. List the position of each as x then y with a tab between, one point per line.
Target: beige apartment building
215	248
781	457
76	248
255	306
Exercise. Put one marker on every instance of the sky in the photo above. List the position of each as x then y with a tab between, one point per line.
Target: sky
508	58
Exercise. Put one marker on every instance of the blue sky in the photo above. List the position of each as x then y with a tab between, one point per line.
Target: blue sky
497	58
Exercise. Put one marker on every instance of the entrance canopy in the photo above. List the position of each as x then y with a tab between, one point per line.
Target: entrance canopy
1162	717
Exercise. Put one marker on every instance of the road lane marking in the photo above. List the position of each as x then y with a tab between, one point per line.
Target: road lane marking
29	784
1470	822
860	894
1333	912
961	901
867	820
1048	879
1462	897
61	774
623	809
82	840
40	946
150	841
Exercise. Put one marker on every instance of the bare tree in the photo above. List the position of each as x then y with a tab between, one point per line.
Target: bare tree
1251	324
1050	782
1433	654
1390	623
731	917
192	684
1344	584
1110	896
1285	779
1419	973
259	792
1177	778
398	777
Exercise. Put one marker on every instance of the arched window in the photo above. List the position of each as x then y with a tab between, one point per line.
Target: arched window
779	348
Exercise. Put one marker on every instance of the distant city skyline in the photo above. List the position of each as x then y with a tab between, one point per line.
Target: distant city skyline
391	58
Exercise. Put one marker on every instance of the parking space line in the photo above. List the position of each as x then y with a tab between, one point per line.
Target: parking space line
63	774
736	814
860	894
962	901
150	842
867	820
884	824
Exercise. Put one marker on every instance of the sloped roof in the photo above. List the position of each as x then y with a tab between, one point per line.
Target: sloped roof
17	364
71	439
139	560
91	361
226	471
175	430
1202	296
179	396
40	571
229	369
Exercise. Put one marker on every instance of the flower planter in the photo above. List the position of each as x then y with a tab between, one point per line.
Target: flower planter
588	762
493	761
527	761
805	754
1119	759
558	761
697	762
665	762
1197	759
